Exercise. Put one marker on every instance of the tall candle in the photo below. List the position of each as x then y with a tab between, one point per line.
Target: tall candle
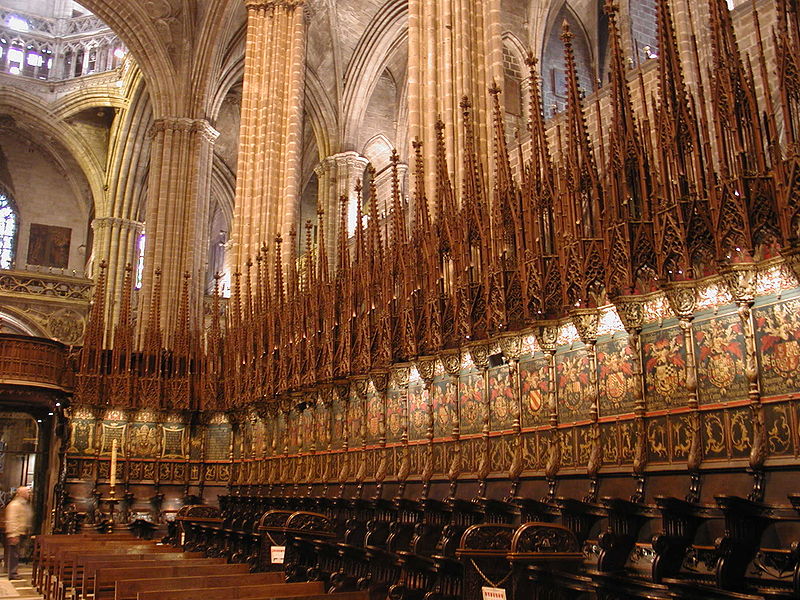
113	477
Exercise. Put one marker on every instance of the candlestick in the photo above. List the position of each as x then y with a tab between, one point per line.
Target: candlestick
113	478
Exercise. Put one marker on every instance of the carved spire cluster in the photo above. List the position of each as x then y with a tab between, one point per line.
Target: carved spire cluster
676	184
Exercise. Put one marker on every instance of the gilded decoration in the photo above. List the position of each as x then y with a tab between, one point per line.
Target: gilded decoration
779	429
173	441
143	440
109	433
658	440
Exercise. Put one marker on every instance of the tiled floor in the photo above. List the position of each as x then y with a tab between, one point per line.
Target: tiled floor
22	586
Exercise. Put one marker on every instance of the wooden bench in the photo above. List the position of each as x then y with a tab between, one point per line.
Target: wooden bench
129	588
255	592
49	562
105	578
76	583
41	541
46	548
69	562
283	590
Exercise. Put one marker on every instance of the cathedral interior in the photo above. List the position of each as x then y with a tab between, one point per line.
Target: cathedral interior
449	294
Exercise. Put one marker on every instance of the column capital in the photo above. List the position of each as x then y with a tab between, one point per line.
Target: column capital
350	159
110	222
185	124
273	4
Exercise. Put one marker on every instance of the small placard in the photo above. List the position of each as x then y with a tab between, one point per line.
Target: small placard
276	554
490	593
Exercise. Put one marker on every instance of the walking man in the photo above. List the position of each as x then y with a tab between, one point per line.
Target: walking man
19	516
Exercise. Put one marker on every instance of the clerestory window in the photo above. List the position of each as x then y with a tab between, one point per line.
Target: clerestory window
9	225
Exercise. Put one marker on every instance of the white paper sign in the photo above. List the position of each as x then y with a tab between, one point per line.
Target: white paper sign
490	593
276	554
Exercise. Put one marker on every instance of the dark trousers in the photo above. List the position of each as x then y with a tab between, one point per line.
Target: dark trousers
12	558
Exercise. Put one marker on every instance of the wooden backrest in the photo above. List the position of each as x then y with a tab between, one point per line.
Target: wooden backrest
106	578
51	555
51	550
95	569
68	556
44	546
91	568
282	590
129	588
44	543
61	555
77	577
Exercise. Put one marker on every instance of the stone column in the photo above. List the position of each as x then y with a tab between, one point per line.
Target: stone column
270	147
383	187
337	176
177	215
455	50
116	242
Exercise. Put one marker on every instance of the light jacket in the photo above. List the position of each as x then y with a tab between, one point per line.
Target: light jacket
19	516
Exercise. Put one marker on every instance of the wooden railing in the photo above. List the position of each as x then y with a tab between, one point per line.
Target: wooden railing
34	361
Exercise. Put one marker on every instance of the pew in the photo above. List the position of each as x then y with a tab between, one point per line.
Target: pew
48	560
258	592
82	579
105	577
241	590
45	545
129	588
71	563
40	541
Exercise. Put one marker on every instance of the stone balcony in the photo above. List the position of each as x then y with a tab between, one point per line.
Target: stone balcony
44	304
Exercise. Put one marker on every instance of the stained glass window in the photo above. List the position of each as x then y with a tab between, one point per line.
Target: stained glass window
8	230
140	261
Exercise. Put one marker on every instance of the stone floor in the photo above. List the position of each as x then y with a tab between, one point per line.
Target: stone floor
21	587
